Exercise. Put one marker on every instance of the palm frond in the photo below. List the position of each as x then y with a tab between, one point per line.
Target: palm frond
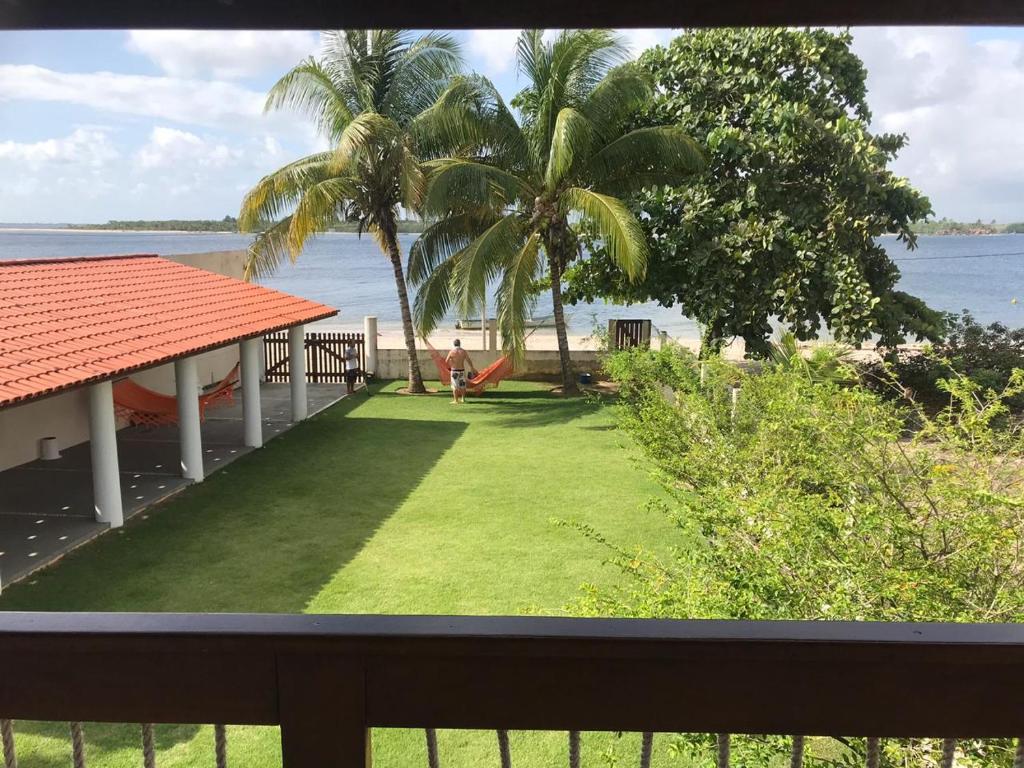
420	74
617	227
320	207
643	157
268	251
616	99
315	89
470	119
441	241
412	180
433	298
563	74
366	136
456	185
482	260
516	294
276	193
570	144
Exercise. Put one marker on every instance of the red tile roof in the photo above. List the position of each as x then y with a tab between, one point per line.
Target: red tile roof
69	322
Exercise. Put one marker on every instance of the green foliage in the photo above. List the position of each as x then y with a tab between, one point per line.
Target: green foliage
510	197
1017	228
364	95
987	355
227	224
946	226
367	95
814	501
784	220
824	363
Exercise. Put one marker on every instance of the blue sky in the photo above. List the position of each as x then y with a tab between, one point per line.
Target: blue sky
158	124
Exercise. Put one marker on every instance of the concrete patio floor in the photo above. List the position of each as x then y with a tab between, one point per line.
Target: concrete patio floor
46	507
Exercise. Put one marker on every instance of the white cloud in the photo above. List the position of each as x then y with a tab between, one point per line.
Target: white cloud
172	148
76	166
639	40
222	55
84	147
959	102
494	49
198	102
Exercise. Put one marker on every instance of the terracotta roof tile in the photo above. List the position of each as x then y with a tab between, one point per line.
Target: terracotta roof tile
69	322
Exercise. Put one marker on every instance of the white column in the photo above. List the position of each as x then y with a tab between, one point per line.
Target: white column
297	371
370	338
106	476
186	384
250	357
483	323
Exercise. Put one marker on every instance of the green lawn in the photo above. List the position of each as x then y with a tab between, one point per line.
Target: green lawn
382	504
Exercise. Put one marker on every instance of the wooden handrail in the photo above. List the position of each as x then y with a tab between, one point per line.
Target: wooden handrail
346	674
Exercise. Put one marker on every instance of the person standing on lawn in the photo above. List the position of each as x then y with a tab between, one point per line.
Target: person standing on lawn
458	360
351	368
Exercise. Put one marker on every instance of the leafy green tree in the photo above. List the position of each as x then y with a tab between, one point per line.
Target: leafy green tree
508	199
785	220
365	95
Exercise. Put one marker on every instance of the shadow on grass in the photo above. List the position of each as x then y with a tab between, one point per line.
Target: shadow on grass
103	738
264	534
536	408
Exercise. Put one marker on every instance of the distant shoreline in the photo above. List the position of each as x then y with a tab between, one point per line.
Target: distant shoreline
94	230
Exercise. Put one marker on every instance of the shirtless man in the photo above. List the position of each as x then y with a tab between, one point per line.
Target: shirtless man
457	360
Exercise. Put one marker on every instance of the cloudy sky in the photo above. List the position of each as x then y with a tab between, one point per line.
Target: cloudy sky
157	125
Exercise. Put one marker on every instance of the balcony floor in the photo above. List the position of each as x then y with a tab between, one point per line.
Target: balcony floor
46	507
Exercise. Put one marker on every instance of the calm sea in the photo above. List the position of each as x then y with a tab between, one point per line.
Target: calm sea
982	274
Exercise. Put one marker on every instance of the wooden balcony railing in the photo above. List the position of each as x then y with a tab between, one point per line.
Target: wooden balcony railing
326	680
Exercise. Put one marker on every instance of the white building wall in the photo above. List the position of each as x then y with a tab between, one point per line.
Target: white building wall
538	364
66	416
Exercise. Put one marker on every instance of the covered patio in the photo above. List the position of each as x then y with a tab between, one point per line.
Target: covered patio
46	507
86	324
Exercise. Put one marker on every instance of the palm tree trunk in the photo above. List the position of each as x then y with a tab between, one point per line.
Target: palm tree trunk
554	264
415	377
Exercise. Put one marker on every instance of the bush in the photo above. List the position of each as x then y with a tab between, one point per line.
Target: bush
813	501
987	355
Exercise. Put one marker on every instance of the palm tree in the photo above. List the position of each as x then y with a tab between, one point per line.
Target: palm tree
364	94
508	200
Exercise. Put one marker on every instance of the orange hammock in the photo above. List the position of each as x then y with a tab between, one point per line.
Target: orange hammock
141	405
490	376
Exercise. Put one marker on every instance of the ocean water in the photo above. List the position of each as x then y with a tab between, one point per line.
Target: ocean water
982	274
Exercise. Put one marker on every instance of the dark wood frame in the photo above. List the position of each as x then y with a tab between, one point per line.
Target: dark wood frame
465	14
327	679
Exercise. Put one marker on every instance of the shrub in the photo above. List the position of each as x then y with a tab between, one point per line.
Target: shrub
813	501
987	355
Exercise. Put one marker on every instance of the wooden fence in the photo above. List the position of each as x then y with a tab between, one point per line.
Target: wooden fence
630	333
325	356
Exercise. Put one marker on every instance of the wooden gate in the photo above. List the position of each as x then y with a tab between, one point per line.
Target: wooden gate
325	356
631	333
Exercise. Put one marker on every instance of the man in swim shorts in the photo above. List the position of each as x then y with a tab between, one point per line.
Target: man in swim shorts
457	360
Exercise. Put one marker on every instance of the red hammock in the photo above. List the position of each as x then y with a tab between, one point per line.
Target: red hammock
490	376
141	405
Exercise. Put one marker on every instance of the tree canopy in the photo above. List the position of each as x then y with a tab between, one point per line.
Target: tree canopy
507	202
783	222
365	95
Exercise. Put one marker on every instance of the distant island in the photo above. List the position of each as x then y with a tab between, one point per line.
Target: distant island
227	224
946	226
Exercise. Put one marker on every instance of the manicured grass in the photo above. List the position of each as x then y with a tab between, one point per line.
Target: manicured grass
382	504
